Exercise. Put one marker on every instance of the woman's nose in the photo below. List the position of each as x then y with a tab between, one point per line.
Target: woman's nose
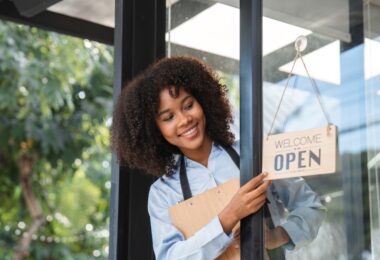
185	119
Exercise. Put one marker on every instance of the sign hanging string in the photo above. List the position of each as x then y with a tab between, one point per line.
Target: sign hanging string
300	45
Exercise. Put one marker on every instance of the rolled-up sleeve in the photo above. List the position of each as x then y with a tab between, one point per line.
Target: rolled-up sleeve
169	243
306	212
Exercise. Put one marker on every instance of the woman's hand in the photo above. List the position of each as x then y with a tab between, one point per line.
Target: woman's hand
276	237
248	200
236	235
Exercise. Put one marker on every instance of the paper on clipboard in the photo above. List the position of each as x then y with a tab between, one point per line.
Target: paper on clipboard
191	215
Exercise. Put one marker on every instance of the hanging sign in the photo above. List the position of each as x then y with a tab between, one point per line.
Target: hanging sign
303	153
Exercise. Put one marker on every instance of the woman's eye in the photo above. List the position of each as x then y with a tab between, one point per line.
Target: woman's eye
168	118
189	106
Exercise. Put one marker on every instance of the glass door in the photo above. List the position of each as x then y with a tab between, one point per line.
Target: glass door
343	46
342	42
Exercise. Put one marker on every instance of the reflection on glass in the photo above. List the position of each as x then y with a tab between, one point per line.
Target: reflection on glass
344	70
347	71
294	217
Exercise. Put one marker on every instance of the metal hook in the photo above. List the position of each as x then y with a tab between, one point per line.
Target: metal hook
301	43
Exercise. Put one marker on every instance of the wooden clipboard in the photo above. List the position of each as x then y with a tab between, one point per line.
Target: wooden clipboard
191	215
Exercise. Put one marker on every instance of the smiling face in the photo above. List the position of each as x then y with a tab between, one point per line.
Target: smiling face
182	122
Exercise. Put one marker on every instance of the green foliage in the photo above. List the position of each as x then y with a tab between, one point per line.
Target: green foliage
55	106
72	208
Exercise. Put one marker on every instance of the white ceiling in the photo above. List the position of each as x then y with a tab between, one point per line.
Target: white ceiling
97	11
217	30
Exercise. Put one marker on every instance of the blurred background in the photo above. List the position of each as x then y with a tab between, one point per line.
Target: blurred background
55	113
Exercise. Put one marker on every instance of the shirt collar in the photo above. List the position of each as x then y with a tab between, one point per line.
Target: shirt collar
216	149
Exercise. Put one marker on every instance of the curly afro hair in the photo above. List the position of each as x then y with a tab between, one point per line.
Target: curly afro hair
136	139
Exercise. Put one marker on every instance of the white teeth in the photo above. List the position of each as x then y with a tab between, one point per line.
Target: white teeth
191	131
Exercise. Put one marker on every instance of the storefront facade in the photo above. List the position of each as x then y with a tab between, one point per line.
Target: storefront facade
251	45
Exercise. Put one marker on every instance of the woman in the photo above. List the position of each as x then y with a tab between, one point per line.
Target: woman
173	121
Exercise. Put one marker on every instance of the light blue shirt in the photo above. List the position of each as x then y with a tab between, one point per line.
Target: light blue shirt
293	205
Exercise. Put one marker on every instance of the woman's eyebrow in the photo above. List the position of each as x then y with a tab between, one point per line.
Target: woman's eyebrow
185	98
168	110
163	112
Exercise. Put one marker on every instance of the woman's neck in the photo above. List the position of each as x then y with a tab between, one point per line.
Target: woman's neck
200	154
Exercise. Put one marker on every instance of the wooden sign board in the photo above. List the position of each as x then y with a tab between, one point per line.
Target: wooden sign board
303	153
191	215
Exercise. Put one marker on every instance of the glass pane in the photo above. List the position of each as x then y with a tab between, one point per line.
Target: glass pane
335	60
208	30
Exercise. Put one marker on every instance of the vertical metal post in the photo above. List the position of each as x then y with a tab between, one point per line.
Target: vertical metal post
139	40
251	128
118	80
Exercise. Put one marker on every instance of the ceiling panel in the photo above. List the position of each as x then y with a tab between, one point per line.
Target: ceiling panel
99	11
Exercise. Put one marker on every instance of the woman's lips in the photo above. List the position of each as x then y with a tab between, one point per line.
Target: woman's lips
191	133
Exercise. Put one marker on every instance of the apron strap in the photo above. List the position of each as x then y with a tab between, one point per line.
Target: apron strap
183	174
184	181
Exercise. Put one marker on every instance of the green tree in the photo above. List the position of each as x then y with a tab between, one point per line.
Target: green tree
55	105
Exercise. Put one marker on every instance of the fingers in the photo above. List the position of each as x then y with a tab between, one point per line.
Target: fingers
255	182
246	201
261	203
259	190
258	202
237	244
256	197
236	233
